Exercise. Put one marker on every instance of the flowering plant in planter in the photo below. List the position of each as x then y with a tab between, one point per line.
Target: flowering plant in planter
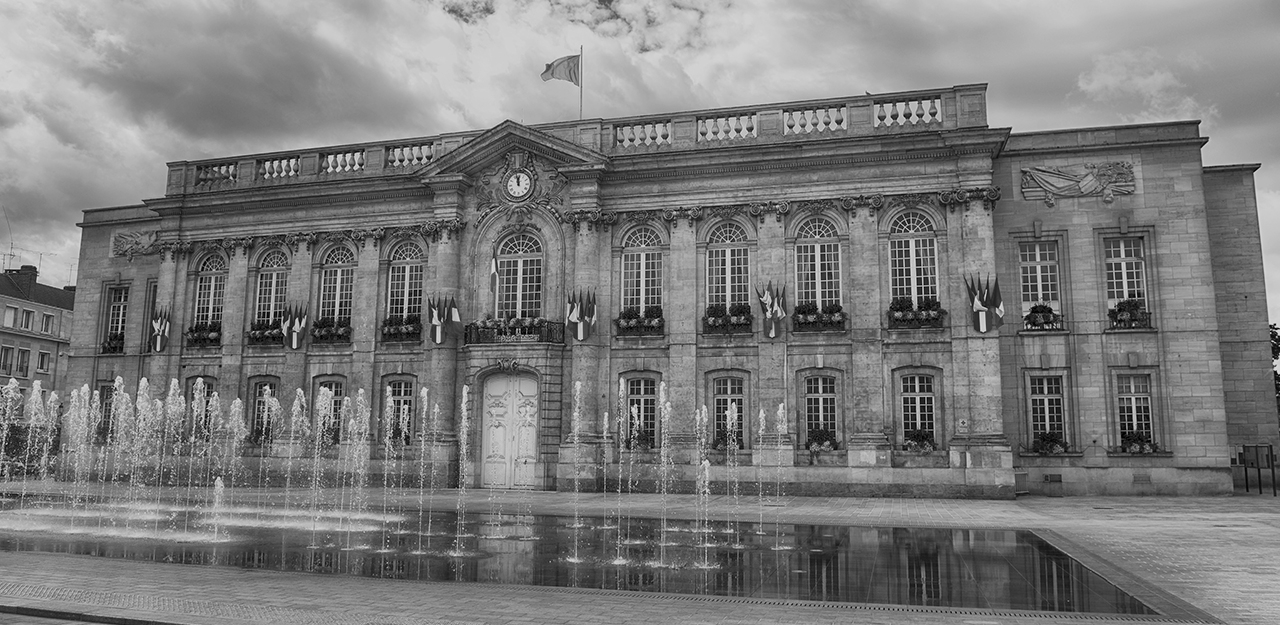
930	308
919	440
653	316
900	307
822	439
1047	443
629	317
833	313
1136	442
715	315
806	312
1130	313
1041	317
204	334
740	313
642	441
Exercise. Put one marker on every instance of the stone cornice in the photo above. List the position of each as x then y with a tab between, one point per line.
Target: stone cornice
170	249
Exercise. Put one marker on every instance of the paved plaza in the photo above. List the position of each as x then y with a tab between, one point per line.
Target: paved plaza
1193	559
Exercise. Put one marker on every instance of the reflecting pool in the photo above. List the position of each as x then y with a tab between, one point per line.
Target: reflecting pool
991	569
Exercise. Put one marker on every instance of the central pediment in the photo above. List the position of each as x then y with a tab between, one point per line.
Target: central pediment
492	148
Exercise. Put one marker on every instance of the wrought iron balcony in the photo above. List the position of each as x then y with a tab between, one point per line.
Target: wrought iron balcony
525	331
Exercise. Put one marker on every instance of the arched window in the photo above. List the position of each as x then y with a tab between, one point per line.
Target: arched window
404	283
329	414
913	257
519	277
397	419
273	287
211	284
641	270
266	411
337	278
918	405
200	391
728	391
820	403
817	263
727	269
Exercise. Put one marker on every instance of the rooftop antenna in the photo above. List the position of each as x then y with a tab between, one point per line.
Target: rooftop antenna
9	258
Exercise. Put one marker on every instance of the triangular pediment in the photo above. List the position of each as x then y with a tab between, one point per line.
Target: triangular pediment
490	149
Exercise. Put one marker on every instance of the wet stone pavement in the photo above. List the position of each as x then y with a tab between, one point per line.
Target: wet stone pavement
1193	559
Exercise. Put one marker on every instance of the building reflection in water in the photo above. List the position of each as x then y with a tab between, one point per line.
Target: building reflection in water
996	569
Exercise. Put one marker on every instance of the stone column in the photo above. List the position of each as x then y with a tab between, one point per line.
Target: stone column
978	444
867	418
683	280
294	375
164	365
773	370
234	322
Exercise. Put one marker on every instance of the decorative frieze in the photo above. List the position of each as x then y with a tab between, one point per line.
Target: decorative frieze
1106	180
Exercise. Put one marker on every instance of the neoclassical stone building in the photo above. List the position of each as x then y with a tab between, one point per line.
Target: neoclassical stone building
948	306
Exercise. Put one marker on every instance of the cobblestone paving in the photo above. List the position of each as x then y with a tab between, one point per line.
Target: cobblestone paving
1219	555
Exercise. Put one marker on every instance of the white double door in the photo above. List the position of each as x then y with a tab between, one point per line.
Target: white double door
510	432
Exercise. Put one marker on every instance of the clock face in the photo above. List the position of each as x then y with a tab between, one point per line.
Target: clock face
519	184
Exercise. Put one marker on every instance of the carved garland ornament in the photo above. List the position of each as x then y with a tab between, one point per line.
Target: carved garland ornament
1089	179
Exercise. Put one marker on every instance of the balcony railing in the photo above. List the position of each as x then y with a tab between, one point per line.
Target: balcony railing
1042	322
546	332
114	344
1131	320
640	327
729	324
962	106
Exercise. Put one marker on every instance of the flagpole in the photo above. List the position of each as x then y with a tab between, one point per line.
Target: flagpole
580	77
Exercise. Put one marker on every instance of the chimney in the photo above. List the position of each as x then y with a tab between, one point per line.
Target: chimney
24	277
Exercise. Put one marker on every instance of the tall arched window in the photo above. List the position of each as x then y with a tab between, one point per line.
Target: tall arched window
329	417
519	277
337	278
641	270
820	403
728	390
404	282
817	263
913	257
265	413
211	284
273	287
727	271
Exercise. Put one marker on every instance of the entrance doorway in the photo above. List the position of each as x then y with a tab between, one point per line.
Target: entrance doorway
510	434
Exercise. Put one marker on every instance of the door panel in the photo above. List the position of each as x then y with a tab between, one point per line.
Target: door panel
510	432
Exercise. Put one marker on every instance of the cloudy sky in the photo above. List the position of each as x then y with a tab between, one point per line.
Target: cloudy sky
96	96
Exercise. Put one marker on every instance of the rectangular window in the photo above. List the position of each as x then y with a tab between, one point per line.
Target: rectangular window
727	276
727	391
10	316
42	362
28	319
209	297
641	280
23	366
1134	410
519	288
117	309
1047	405
1038	267
642	402
913	269
1126	271
106	394
335	292
46	324
260	426
917	403
818	273
273	287
404	290
401	416
6	360
820	403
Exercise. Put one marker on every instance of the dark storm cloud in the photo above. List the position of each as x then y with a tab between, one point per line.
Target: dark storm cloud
235	72
649	25
468	11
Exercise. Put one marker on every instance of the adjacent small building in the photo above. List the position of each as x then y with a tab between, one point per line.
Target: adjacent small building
870	295
35	335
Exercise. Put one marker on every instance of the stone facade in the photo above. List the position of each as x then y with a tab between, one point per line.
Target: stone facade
889	206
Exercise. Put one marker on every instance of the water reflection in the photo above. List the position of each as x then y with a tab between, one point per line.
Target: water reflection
996	569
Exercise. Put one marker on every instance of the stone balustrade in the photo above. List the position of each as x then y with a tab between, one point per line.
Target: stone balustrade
963	106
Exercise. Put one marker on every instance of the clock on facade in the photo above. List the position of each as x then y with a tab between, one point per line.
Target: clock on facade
519	184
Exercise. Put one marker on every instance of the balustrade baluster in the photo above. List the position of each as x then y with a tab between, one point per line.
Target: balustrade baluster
666	132
880	113
840	117
933	110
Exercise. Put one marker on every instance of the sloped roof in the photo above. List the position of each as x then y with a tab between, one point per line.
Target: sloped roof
40	293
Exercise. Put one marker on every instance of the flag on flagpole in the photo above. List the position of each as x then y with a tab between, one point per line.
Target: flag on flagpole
493	272
987	306
436	322
572	314
160	330
588	316
565	68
